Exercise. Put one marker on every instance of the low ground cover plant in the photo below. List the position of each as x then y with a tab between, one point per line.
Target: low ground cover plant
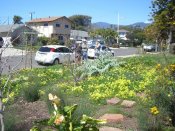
123	81
148	79
29	83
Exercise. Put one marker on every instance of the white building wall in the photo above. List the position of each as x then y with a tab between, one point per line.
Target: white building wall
44	30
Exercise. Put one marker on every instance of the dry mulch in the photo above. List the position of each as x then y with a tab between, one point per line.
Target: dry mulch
27	113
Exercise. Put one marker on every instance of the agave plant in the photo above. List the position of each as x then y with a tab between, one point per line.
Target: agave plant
99	65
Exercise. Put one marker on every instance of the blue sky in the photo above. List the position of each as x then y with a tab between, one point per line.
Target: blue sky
130	11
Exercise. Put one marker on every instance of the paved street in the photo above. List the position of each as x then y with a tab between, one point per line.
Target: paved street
20	61
125	51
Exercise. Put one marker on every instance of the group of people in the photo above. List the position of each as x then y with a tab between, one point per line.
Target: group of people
81	50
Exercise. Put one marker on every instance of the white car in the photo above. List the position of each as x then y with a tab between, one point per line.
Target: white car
54	54
149	48
96	52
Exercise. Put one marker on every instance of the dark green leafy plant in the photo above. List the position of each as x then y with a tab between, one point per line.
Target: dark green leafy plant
62	118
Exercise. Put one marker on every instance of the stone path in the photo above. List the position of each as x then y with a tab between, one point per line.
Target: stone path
128	104
105	128
113	101
116	118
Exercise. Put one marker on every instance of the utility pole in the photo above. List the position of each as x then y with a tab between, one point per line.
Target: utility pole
31	15
118	29
8	20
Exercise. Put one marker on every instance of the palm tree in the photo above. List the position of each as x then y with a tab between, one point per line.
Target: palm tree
17	19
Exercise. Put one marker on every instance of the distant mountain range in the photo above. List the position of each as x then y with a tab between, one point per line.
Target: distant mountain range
105	25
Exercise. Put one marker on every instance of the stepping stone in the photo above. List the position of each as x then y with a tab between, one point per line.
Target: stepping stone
113	118
105	128
128	104
143	95
113	101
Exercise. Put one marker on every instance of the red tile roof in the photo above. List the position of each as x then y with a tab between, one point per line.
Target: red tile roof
49	19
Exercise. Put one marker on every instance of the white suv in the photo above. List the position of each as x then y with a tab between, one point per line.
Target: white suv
94	52
54	54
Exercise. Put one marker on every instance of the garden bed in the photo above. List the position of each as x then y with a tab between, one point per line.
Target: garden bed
133	76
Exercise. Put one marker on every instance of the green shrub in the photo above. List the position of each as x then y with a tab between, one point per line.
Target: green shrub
53	41
31	93
48	41
10	118
159	100
43	40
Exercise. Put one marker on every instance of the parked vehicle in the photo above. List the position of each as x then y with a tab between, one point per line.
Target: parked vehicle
149	48
1	42
94	52
91	43
54	54
78	41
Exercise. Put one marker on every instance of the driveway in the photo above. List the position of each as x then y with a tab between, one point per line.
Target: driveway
17	59
7	52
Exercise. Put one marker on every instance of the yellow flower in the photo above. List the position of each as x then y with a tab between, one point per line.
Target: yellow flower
154	110
172	67
158	66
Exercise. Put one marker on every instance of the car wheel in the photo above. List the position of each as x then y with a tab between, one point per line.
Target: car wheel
39	63
56	62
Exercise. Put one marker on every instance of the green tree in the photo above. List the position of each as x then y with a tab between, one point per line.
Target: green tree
109	35
163	14
81	22
17	20
136	36
151	33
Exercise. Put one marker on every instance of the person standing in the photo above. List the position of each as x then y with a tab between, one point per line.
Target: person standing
97	45
84	50
78	52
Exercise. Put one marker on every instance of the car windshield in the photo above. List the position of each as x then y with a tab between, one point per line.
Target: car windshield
44	49
92	47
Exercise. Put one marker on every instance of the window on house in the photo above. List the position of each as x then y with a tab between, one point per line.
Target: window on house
45	24
60	37
58	25
66	26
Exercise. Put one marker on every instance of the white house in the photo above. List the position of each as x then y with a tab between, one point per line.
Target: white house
58	27
122	34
